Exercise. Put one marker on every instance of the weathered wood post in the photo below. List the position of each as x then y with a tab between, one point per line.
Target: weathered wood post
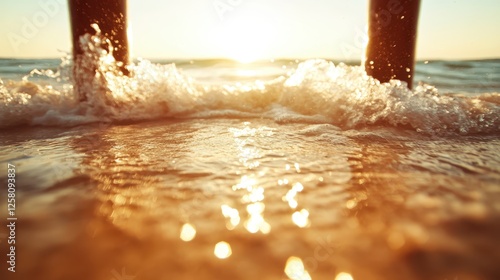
392	33
111	16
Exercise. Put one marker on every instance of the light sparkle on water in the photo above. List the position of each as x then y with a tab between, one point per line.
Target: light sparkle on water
223	250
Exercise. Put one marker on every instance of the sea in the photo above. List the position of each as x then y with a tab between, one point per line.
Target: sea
276	169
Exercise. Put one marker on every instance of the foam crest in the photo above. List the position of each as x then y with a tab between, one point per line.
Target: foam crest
351	99
316	92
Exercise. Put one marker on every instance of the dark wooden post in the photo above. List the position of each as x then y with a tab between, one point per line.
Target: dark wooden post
392	32
111	16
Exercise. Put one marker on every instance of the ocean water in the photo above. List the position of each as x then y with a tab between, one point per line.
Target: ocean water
286	169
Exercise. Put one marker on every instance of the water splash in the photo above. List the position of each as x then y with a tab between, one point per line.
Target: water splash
318	91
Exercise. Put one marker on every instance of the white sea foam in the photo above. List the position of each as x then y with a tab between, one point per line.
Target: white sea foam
316	92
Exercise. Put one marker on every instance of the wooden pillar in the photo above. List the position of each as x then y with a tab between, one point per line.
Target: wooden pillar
111	16
392	32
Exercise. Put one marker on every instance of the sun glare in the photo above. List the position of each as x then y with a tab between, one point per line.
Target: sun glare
246	39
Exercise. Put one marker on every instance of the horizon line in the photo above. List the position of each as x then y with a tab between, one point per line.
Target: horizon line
258	60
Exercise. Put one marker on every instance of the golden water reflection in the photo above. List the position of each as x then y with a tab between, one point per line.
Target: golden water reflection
223	250
291	195
256	222
342	206
301	218
344	276
232	216
249	155
188	232
295	269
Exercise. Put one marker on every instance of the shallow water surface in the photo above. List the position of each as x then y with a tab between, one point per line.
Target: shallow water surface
253	199
275	170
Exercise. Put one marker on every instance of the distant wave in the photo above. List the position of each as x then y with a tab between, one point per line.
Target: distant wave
315	91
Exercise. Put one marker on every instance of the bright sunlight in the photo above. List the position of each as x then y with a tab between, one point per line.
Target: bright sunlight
246	39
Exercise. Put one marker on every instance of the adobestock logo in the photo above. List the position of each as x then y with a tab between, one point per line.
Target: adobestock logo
224	6
123	275
31	26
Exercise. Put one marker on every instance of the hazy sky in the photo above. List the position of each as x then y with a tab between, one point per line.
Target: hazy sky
252	29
